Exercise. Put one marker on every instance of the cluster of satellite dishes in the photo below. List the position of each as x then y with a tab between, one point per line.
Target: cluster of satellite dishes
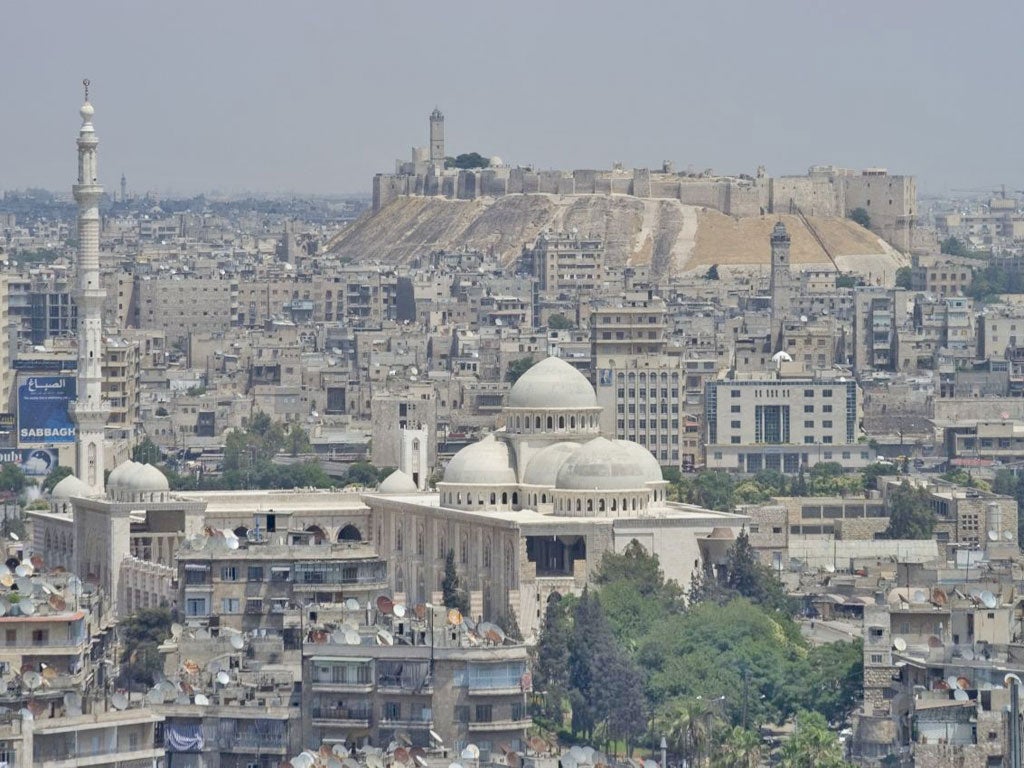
212	539
399	754
25	592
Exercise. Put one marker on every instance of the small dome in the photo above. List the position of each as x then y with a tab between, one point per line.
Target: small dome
121	473
486	462
552	383
652	469
397	482
144	478
782	356
496	162
543	468
87	111
602	465
70	487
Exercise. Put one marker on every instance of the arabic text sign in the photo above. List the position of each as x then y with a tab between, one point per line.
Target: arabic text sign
43	410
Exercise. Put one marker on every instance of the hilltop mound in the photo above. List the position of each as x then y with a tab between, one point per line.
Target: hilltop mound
671	237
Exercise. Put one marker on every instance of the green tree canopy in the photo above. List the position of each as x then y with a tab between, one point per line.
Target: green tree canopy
141	634
861	216
56	474
467	160
559	322
812	745
904	277
453	592
910	513
517	368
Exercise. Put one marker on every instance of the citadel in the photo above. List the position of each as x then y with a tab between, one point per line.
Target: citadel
889	200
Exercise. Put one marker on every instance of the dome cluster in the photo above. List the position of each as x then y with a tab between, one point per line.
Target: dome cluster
551	456
132	481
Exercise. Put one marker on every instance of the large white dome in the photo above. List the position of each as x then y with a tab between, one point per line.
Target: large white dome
543	468
486	462
70	487
121	473
397	482
146	478
552	383
651	467
602	465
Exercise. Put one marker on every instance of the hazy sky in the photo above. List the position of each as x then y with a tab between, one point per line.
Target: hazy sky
317	96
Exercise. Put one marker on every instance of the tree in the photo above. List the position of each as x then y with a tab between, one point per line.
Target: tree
141	634
847	281
146	452
953	246
453	594
160	411
467	160
910	513
57	474
861	216
714	490
812	745
689	726
551	663
904	277
297	440
517	368
559	322
12	478
712	273
835	681
741	748
747	576
508	624
361	473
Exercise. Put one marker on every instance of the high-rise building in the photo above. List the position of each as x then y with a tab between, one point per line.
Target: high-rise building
89	410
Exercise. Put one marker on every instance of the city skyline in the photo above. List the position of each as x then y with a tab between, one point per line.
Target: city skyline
265	100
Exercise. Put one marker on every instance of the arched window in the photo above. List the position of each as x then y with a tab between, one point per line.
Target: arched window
561	422
442	547
318	536
579	505
420	539
494	499
590	505
486	553
615	505
398	537
543	498
600	505
515	498
538	423
551	422
504	497
634	502
460	497
351	533
399	579
464	549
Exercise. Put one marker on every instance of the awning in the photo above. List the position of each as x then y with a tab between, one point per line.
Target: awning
280	569
197	567
183	737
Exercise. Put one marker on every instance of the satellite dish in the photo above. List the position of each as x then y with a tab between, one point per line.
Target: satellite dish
399	610
202	634
436	738
28	608
338	637
454	617
202	700
961	695
939	597
36	561
351	604
352	637
14	536
962	682
934	641
237	642
7	579
32	680
374	761
899	644
993	535
829	568
223	677
385	638
155	695
919	596
414	370
119	701
176	630
471	752
1007	536
23	571
989	599
57	602
385	605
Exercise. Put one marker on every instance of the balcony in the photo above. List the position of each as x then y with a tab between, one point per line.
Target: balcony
500	725
341	716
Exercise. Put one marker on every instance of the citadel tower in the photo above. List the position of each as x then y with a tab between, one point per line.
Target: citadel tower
437	139
89	411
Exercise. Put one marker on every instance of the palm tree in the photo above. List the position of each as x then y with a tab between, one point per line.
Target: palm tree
739	749
689	727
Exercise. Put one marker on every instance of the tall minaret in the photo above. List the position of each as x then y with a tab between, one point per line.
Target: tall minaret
781	283
89	411
124	189
437	139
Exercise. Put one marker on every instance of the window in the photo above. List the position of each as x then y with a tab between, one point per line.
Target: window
826	424
12	637
734	424
826	393
734	440
734	409
484	713
735	393
229	605
254	605
518	710
228	573
876	658
195	606
461	713
255	573
392	710
809	424
197	574
40	636
826	409
808	409
808	393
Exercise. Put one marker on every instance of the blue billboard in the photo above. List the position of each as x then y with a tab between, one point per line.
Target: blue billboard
34	462
43	410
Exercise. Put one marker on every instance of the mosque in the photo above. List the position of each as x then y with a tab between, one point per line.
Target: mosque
529	510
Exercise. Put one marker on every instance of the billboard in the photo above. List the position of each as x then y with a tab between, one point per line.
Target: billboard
34	462
43	410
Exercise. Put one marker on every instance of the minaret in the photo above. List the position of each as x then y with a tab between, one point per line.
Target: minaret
124	189
89	410
781	283
437	139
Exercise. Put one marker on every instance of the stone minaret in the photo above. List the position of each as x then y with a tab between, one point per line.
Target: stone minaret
124	189
437	139
781	283
89	410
